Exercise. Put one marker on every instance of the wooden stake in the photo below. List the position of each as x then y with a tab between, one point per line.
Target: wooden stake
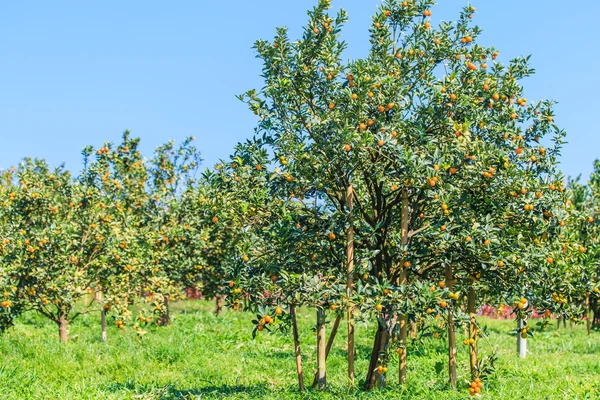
350	283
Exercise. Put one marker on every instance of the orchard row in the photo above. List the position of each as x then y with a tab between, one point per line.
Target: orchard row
408	187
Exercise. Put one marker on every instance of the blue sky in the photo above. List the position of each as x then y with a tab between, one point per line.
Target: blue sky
74	73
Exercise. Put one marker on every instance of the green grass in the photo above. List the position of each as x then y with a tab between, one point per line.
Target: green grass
203	356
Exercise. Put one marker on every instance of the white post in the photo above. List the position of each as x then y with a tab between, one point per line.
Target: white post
521	342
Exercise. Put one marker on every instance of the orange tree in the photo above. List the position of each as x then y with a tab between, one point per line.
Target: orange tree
120	172
576	276
148	260
289	251
396	126
11	305
60	241
169	244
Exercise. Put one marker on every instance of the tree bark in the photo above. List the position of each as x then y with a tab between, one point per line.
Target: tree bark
451	334
63	328
165	317
588	322
102	315
402	281
297	348
332	336
349	284
382	338
473	356
103	323
321	350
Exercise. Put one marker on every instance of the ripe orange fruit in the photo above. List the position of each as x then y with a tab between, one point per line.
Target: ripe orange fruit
472	66
378	307
468	239
443	304
362	127
501	263
331	106
550	260
278	311
486	242
442	284
331	236
380	143
215	219
354	96
370	122
426	13
347	147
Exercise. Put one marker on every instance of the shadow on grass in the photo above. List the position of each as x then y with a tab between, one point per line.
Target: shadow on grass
253	391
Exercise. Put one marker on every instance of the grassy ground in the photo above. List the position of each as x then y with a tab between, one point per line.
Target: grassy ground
203	356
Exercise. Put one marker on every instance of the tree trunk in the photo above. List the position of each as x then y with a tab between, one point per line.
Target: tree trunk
332	335
451	334
218	304
102	315
103	323
321	350
402	281
588	322
297	348
165	318
350	283
473	356
63	328
521	342
382	338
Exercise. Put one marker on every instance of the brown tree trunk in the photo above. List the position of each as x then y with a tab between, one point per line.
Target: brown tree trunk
321	350
102	316
382	338
332	336
588	322
297	348
103	323
350	283
451	334
218	304
473	356
63	328
165	317
402	281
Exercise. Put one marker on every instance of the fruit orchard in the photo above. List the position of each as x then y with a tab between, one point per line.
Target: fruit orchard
405	190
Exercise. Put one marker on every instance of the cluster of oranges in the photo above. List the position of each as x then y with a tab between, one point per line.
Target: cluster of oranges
382	370
267	319
476	387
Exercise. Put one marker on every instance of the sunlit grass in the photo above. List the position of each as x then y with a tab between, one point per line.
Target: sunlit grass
203	356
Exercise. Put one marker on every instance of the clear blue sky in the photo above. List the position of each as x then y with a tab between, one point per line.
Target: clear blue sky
74	73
